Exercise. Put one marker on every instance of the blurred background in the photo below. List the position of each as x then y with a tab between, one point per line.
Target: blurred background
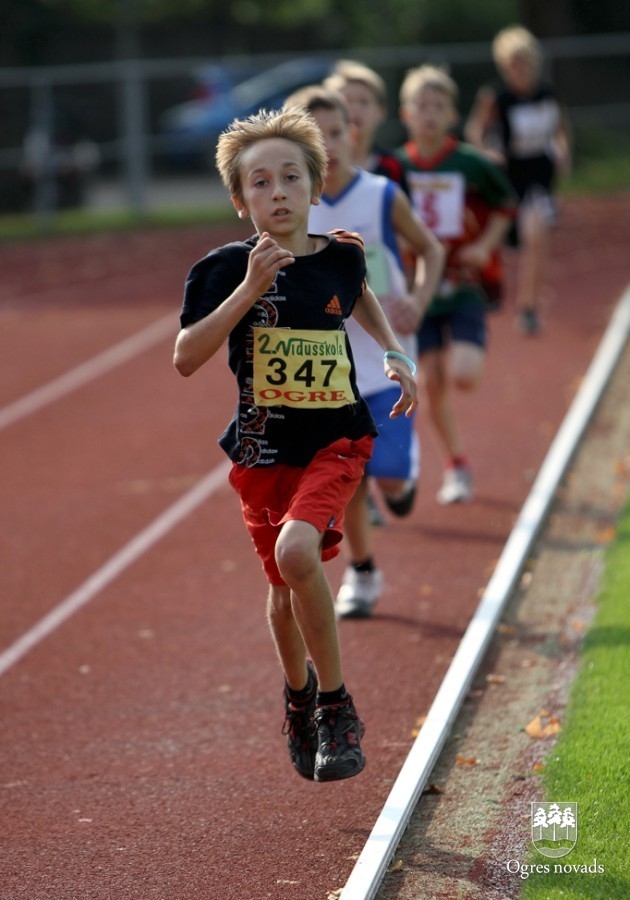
118	103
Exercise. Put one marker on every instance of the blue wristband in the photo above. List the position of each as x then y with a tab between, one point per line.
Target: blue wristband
401	356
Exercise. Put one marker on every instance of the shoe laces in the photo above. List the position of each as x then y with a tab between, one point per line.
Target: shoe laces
297	718
330	716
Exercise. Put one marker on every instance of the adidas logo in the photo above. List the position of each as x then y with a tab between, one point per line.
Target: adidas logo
334	307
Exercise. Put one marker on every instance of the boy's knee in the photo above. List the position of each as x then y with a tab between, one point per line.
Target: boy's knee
465	381
295	560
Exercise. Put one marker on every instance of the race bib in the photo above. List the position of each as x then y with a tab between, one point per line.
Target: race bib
439	199
303	369
378	274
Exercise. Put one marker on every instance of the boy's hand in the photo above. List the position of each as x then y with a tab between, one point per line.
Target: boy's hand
475	254
404	315
263	264
397	370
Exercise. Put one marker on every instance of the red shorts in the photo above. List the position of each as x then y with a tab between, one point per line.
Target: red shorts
317	494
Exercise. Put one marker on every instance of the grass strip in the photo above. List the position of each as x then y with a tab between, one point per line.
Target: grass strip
589	763
81	221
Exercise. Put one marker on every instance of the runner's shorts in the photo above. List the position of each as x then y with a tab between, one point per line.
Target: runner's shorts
318	494
396	451
466	323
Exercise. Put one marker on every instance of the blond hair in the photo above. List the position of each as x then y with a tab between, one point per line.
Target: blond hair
516	41
294	124
317	96
347	71
427	76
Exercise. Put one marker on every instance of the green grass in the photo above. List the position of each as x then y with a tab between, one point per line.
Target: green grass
601	162
590	763
80	221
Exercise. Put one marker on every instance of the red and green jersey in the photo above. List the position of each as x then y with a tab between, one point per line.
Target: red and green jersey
454	192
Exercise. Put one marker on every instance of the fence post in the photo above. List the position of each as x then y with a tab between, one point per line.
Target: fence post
39	150
135	149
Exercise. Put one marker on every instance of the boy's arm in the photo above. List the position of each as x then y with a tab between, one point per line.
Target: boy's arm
369	314
198	342
482	116
429	251
478	252
562	141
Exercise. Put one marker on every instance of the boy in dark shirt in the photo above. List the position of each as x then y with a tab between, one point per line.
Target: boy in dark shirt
301	432
522	126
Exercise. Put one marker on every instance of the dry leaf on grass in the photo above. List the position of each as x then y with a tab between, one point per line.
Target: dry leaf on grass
606	535
466	760
433	789
543	726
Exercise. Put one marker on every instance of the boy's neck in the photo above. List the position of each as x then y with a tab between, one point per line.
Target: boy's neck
339	181
363	151
300	244
429	147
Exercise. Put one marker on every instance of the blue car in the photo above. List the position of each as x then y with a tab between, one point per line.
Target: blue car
189	131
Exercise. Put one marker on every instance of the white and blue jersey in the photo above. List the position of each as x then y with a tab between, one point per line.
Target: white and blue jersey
365	207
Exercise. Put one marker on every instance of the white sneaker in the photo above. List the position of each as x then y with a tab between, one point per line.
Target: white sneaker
358	593
456	486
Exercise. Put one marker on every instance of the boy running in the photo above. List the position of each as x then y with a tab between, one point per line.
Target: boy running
365	94
377	208
468	203
521	124
301	432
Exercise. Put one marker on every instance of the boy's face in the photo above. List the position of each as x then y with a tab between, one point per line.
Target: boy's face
520	73
366	113
429	115
276	189
338	141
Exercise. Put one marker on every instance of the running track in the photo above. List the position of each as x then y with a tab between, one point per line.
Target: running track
140	699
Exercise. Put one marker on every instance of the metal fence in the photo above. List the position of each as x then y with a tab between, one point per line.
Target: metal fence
111	111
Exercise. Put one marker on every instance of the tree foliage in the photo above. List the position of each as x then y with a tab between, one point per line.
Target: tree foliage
29	28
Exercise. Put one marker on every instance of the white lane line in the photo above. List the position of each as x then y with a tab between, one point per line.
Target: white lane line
115	565
371	866
87	371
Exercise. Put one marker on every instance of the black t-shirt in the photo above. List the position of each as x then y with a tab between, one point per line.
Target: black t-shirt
528	124
384	162
295	363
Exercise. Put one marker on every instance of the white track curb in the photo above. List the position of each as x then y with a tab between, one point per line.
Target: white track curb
371	866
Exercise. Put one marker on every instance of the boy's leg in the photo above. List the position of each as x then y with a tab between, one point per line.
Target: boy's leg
441	410
300	688
287	636
461	367
356	527
535	220
339	729
298	555
395	462
362	583
465	363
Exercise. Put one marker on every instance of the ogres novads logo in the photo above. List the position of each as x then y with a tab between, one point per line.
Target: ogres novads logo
554	828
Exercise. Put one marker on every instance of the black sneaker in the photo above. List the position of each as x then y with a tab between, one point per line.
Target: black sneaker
374	513
339	732
529	322
300	730
402	506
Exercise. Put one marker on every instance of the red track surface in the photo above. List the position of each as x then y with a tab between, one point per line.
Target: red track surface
140	748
